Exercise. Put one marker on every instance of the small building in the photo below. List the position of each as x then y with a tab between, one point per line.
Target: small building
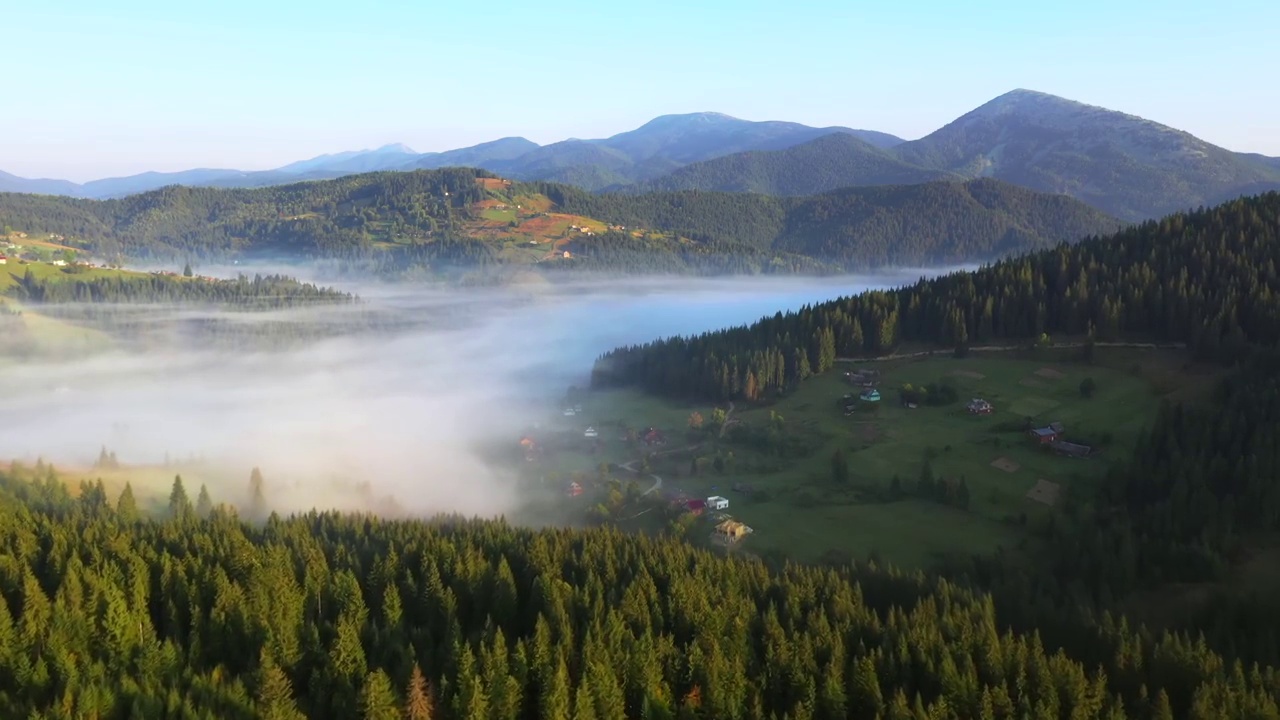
731	531
60	263
590	433
715	502
567	255
653	436
697	507
871	395
4	260
978	406
575	489
1044	435
569	412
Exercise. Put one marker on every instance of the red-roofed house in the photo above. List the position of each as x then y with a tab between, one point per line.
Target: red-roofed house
697	507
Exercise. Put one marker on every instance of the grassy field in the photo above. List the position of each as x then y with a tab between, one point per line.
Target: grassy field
799	510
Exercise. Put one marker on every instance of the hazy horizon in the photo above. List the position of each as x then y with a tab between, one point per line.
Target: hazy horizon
130	89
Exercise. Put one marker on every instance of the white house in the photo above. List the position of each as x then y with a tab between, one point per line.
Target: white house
590	432
60	263
568	412
715	502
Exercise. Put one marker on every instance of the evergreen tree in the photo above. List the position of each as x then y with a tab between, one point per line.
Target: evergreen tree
377	701
418	701
204	504
127	506
179	503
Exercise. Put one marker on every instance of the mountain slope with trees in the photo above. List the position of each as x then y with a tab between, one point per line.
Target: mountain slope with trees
833	161
197	614
435	218
1128	166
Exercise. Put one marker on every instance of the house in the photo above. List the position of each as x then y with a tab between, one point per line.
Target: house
1044	435
569	412
978	406
526	443
590	433
697	507
1057	427
731	531
653	436
60	263
715	502
574	489
4	260
871	395
567	255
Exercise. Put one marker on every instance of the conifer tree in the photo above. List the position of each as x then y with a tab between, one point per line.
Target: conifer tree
127	506
377	701
418	704
204	504
179	503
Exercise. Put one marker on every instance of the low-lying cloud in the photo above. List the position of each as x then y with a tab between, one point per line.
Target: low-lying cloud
407	411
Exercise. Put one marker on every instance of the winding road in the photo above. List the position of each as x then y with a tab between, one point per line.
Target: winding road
657	479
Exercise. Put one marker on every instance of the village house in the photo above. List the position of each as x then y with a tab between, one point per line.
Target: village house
4	260
575	489
871	395
60	263
590	433
1048	434
978	406
715	502
653	436
731	531
696	507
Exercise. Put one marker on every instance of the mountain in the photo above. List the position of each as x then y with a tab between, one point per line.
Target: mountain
829	162
1128	166
652	150
700	136
479	218
663	145
475	156
387	157
43	186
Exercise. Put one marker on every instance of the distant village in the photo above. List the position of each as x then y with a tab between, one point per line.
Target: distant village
571	435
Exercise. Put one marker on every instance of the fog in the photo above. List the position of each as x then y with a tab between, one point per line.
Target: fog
407	412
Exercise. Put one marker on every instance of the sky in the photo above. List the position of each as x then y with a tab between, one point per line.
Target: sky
96	89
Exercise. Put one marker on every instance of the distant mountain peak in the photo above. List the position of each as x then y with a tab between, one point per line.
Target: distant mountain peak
400	148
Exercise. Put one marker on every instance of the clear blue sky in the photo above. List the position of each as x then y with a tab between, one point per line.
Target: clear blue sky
94	89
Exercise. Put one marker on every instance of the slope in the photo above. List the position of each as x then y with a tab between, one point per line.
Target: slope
829	162
1129	167
424	213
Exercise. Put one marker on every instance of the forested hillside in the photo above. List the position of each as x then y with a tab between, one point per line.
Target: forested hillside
1199	494
196	614
932	223
458	218
833	161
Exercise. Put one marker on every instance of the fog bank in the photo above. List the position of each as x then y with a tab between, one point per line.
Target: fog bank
405	411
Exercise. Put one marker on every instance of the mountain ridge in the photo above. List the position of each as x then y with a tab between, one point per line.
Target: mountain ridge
1125	165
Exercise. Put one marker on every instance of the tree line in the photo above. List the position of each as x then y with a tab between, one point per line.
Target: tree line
1206	278
193	612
